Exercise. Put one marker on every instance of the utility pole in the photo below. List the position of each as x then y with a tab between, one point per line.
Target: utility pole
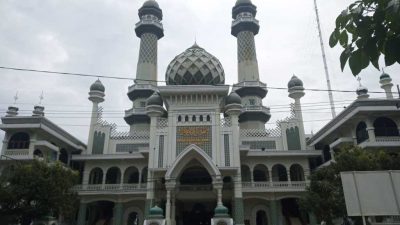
328	81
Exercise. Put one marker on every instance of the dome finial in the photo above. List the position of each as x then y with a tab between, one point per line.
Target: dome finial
41	97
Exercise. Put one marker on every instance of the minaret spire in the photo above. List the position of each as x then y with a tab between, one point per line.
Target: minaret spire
149	29
244	27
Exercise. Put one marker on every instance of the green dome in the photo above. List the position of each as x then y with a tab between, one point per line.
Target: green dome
233	98
154	99
156	212
384	76
195	66
240	2
151	3
362	90
221	211
295	82
97	86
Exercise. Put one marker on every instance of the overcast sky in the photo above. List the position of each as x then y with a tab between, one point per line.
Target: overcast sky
97	37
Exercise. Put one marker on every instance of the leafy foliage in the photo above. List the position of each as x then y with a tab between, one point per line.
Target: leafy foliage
325	195
366	30
31	191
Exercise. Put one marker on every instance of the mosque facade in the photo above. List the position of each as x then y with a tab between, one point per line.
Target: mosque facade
197	148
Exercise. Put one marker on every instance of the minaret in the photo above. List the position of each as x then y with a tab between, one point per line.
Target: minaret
249	88
149	29
386	84
362	92
96	96
244	28
296	92
38	110
13	109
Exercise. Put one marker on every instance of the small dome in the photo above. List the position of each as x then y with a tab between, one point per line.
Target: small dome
221	210
295	82
195	66
362	90
97	86
239	2
384	76
156	211
233	98
154	99
151	3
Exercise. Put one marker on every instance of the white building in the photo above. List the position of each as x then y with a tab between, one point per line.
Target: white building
195	148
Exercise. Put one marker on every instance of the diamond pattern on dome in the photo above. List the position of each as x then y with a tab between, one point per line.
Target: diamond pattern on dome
148	48
195	66
246	46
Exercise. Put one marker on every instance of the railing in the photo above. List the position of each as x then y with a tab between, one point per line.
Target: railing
207	187
274	185
110	188
17	152
244	19
387	139
150	22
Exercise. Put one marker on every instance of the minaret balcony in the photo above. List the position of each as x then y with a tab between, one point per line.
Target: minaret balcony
255	113
136	115
247	88
140	90
149	26
149	22
245	24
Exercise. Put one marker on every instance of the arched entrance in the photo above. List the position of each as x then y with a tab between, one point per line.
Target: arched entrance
195	198
195	176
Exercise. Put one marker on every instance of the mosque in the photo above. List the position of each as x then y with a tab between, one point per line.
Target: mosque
197	149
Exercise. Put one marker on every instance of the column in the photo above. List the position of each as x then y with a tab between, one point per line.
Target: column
274	212
313	219
173	210
118	211
218	187
238	217
252	176
140	177
104	178
168	208
371	131
270	177
82	214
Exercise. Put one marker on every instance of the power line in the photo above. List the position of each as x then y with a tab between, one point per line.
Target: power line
163	81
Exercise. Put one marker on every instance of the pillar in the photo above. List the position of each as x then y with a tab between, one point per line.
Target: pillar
82	214
313	219
238	216
371	131
168	208
274	212
118	211
173	210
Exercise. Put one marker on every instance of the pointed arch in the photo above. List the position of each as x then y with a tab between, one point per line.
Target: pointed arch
188	154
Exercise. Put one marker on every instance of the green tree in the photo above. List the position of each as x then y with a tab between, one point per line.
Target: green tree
31	191
366	30
325	195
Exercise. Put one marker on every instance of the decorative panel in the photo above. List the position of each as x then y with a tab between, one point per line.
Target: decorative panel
198	135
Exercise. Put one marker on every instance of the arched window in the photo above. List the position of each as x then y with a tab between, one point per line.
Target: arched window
186	118
131	175
37	153
19	140
133	219
144	175
261	218
208	118
296	173
194	118
113	176
246	175
385	127
96	176
260	173
63	156
201	118
279	173
361	132
179	118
